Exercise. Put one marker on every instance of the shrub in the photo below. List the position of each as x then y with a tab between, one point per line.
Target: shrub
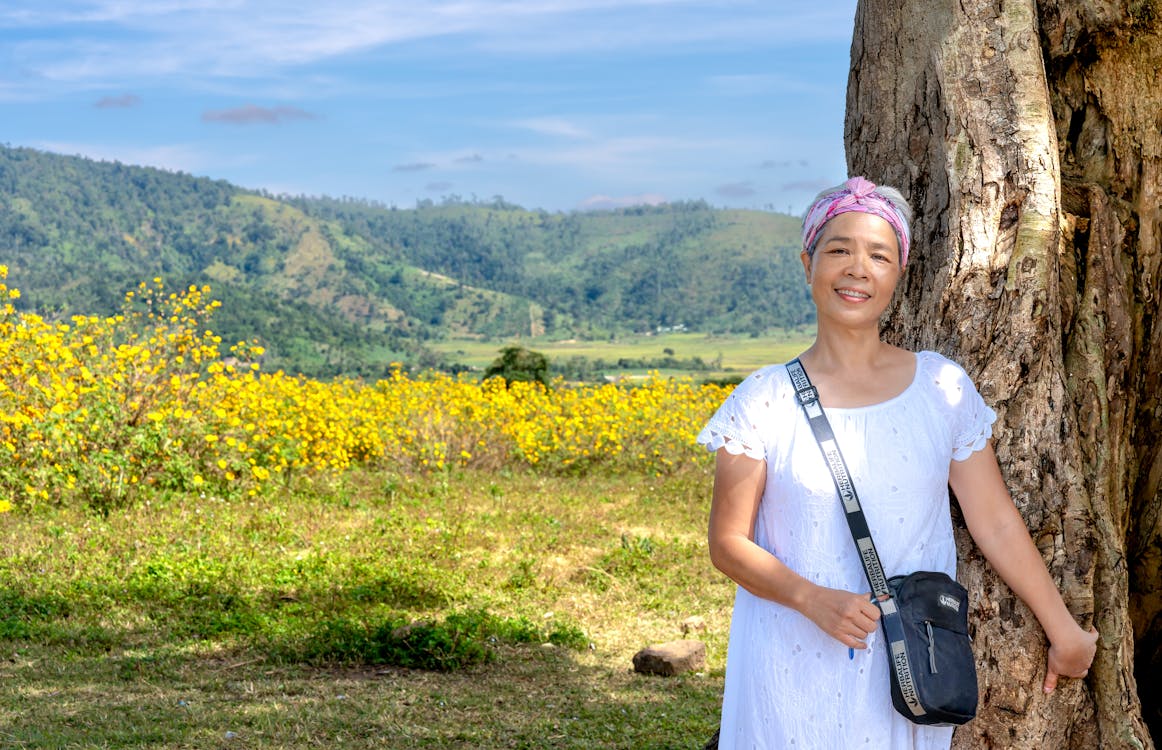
460	640
519	365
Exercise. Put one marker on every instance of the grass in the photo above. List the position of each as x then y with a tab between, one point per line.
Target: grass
192	622
734	354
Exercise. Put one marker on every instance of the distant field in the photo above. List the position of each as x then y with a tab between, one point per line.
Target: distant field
734	354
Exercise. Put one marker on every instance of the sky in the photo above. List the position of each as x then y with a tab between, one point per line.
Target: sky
557	105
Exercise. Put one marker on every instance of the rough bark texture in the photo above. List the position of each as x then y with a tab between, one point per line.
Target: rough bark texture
1026	134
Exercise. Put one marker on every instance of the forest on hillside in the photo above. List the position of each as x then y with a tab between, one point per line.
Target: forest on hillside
346	286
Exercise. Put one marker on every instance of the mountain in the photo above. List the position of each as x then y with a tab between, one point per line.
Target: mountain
346	286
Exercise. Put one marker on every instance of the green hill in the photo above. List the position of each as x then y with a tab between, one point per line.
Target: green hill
346	286
676	265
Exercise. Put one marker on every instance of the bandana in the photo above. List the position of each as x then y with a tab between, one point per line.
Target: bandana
857	194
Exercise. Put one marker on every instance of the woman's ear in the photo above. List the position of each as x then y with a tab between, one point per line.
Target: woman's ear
806	259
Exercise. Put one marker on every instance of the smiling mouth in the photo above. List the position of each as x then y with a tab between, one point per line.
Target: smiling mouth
853	293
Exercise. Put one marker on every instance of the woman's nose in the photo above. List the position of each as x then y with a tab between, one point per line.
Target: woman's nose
857	264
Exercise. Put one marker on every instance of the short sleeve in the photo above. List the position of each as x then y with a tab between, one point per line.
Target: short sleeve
736	424
971	418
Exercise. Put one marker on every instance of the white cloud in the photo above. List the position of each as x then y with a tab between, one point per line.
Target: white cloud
36	12
251	114
415	166
605	202
558	98
174	157
99	39
745	189
756	84
627	155
124	101
554	126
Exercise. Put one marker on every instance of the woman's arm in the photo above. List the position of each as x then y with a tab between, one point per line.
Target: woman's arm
1001	534
738	490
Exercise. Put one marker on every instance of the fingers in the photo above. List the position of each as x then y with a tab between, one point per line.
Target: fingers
1051	679
868	610
861	622
864	622
855	639
1071	658
1075	665
846	617
858	623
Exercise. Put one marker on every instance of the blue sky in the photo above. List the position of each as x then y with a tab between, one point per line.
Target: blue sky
552	104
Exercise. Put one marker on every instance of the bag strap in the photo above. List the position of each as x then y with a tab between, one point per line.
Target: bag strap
860	533
853	511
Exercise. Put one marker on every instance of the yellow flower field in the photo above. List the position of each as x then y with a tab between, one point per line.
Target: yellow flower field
104	411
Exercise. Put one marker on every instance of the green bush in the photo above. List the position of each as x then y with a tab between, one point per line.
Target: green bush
461	640
519	365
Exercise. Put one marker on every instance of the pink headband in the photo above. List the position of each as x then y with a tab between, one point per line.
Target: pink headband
857	194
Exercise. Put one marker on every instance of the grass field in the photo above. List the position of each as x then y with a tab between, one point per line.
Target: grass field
732	354
200	623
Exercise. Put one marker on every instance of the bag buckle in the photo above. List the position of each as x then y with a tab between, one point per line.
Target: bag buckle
808	395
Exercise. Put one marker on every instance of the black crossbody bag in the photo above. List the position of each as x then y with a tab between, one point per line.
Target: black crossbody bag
924	614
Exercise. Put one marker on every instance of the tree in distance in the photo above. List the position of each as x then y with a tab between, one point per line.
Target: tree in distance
519	365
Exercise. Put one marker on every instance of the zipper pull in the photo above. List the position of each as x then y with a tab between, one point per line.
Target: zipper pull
931	647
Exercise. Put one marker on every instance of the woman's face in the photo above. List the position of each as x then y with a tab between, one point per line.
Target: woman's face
854	270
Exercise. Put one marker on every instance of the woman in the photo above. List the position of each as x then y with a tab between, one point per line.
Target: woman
804	664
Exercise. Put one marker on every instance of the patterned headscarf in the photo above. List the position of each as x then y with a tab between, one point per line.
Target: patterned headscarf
857	194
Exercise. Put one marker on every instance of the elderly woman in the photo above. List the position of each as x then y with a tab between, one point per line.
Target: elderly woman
805	667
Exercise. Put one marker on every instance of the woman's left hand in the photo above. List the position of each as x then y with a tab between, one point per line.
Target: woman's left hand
1070	658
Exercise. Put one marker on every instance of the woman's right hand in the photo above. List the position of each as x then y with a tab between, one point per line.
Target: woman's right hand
1071	656
846	617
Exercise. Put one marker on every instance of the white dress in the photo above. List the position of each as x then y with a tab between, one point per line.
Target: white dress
788	684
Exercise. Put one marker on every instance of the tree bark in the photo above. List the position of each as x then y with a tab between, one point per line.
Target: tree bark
1028	136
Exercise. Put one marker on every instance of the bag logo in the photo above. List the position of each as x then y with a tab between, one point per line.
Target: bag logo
949	601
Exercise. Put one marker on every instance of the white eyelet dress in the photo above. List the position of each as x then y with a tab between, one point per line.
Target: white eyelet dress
788	684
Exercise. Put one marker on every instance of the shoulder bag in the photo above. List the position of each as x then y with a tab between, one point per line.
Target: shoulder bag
924	614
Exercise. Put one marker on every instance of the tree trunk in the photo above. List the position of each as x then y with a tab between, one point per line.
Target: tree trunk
1026	133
